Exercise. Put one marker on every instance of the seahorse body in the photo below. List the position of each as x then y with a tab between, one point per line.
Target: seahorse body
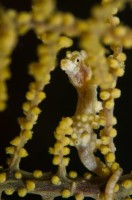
84	137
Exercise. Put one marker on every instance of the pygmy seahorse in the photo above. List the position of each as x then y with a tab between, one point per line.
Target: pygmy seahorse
84	137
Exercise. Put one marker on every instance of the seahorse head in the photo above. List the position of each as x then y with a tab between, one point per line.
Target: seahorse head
75	68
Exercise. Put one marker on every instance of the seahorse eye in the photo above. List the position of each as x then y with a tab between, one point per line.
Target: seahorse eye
76	60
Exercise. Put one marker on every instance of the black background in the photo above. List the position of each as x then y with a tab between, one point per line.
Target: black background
61	98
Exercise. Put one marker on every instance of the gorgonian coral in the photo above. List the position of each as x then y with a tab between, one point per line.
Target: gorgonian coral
93	71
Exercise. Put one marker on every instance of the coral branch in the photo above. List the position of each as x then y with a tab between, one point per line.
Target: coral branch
45	188
8	41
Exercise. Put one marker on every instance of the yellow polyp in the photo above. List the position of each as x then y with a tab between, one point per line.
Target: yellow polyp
23	17
22	192
115	166
2	177
34	118
109	104
127	184
68	19
120	31
74	136
46	78
116	20
69	131
37	173
115	93
11	13
49	37
114	11
3	97
30	185
22	153
41	96
58	134
102	121
9	191
105	140
51	150
121	57
30	95
56	151
65	193
113	63
81	25
10	150
27	134
87	175
65	42
127	42
110	157
16	141
23	29
56	160
106	171
35	110
84	117
66	141
119	72
26	106
104	95
95	125
73	174
66	122
104	149
79	196
32	86
55	180
107	39
27	125
5	74
65	151
18	175
44	60
58	146
56	19
116	188
113	132
114	120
